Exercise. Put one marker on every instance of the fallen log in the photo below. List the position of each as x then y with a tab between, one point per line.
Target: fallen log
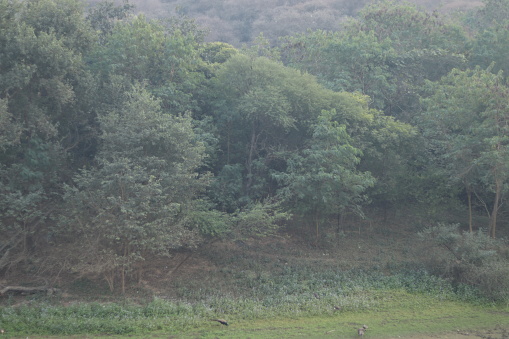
28	290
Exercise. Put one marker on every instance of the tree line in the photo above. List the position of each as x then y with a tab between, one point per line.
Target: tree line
124	138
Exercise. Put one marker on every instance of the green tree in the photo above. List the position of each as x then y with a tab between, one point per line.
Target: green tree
323	179
491	46
389	149
493	13
387	53
44	110
253	112
261	108
491	36
356	62
104	14
138	199
466	120
167	59
265	111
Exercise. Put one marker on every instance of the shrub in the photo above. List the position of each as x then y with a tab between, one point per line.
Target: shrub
471	258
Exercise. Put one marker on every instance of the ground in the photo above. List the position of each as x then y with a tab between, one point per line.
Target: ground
357	243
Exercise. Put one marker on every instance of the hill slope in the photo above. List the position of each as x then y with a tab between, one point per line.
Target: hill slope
240	21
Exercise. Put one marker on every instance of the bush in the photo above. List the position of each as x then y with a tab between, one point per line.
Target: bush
473	258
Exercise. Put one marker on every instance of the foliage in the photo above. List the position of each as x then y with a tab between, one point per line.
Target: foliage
265	113
282	297
208	221
322	179
343	63
226	188
103	15
44	93
465	123
240	22
386	53
493	13
260	219
135	201
125	137
469	258
165	58
489	48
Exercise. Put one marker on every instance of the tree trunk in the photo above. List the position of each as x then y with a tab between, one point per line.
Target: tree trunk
249	164
228	144
109	276
125	265
469	197
493	219
317	226
122	279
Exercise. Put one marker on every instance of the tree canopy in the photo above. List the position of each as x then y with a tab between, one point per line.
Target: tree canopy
123	137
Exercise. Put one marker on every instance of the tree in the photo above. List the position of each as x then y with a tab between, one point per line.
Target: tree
138	198
491	41
253	111
386	53
466	120
389	152
493	13
41	73
491	46
261	108
265	112
166	58
103	15
341	62
323	178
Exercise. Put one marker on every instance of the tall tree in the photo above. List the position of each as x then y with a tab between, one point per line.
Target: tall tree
138	199
466	120
261	108
357	62
44	96
323	179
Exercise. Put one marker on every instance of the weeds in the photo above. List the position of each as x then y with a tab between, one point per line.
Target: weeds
472	259
247	289
293	293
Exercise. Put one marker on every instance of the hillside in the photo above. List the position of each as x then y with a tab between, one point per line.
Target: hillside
256	269
139	163
240	21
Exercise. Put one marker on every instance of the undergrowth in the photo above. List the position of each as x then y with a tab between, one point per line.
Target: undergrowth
250	288
291	294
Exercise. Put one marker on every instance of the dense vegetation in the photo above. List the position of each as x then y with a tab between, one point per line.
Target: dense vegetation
240	21
124	138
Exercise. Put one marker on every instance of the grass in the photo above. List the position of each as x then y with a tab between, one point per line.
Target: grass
298	302
396	313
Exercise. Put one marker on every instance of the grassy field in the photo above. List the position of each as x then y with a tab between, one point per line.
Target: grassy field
394	314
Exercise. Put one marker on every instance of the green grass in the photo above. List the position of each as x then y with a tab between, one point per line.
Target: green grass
397	313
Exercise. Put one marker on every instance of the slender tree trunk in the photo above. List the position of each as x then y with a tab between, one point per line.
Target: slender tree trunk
493	219
122	279
123	267
469	197
228	145
250	156
317	226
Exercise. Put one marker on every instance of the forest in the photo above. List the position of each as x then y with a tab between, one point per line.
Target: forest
124	138
240	21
